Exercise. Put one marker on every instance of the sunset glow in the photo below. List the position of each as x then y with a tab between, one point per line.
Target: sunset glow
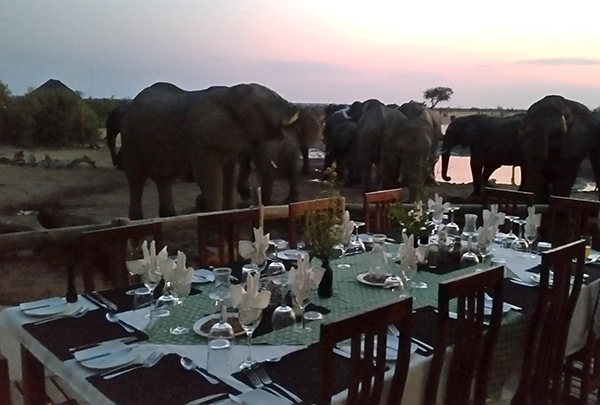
309	51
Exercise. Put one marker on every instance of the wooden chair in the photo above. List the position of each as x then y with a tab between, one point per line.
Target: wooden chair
301	211
113	243
379	221
507	200
471	361
367	369
570	218
543	360
229	227
582	368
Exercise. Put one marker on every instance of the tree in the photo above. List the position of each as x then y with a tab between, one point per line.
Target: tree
437	94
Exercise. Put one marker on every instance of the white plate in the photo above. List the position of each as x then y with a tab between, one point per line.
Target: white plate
361	278
203	276
26	306
202	321
54	309
114	359
365	238
290	254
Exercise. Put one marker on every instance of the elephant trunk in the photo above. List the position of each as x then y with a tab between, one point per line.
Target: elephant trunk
445	161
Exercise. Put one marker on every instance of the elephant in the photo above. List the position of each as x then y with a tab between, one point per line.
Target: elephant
113	128
281	154
555	136
493	142
168	132
340	137
406	151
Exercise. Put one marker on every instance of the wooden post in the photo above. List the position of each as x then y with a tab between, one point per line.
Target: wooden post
261	208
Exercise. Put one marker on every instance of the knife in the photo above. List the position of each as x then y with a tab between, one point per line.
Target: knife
100	301
90	345
207	398
422	344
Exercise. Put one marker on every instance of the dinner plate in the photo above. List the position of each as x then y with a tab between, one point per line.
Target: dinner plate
198	325
114	359
290	254
53	309
361	278
203	276
25	306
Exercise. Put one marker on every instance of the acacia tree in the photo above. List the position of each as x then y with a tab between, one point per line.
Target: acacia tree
437	94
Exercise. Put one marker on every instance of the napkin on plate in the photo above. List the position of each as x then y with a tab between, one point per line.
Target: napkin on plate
255	251
347	228
409	255
438	207
302	279
532	222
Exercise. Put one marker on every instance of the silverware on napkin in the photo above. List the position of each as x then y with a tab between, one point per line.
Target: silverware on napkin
207	398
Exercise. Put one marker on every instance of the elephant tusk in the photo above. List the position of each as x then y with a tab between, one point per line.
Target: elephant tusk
292	120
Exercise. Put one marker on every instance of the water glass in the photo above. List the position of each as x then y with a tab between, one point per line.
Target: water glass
142	298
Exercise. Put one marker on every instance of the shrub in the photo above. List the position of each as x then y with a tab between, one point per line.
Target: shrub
50	118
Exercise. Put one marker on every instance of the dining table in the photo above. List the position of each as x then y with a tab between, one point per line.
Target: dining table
288	355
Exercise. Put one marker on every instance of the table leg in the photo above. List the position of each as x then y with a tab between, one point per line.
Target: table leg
34	389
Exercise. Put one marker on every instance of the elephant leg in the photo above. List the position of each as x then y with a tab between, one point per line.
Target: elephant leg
166	207
244	175
595	162
565	178
208	173
136	189
228	185
390	173
262	159
476	169
305	162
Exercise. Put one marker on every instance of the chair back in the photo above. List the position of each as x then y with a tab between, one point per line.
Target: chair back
115	245
543	360
507	200
228	227
300	212
474	342
378	220
368	332
570	218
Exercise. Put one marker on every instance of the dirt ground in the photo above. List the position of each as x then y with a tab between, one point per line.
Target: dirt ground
86	194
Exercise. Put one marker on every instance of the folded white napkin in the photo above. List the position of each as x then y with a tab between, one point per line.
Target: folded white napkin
492	219
180	276
255	251
532	222
378	262
302	279
249	297
152	265
438	207
485	236
347	228
409	255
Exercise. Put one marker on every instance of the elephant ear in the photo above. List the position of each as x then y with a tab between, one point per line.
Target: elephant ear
472	131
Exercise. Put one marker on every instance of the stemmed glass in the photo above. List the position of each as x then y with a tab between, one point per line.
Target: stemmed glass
179	290
302	302
132	255
520	244
343	248
221	293
356	245
531	236
452	228
249	319
407	286
510	236
283	316
276	266
469	258
151	278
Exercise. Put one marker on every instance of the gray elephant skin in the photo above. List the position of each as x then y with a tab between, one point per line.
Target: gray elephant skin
113	128
492	141
556	135
281	157
168	132
402	146
341	147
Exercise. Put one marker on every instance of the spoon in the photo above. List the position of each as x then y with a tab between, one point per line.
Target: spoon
113	318
189	365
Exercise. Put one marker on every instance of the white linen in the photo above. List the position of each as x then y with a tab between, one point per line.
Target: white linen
255	251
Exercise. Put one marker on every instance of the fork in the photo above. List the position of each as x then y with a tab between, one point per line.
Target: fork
76	314
255	380
264	377
151	361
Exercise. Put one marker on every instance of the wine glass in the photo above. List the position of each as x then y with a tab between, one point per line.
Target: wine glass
452	228
276	266
531	236
356	245
469	258
520	243
283	316
220	294
180	291
484	251
151	278
407	285
132	255
301	299
249	319
510	236
343	248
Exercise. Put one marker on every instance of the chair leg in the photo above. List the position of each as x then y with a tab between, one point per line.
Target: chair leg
4	382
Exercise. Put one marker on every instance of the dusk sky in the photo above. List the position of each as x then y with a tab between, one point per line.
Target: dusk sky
508	53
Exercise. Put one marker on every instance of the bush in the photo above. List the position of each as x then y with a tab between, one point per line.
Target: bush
50	118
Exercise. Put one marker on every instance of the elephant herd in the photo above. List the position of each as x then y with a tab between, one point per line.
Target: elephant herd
400	142
549	143
167	133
